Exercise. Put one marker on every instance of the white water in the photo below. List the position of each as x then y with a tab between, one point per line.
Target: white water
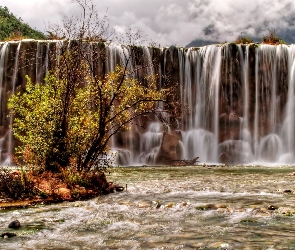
238	101
10	145
168	208
257	142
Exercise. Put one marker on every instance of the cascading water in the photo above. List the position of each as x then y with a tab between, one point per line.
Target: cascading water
3	51
288	124
238	99
10	146
201	135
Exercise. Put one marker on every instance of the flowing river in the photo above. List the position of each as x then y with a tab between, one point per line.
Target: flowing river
168	208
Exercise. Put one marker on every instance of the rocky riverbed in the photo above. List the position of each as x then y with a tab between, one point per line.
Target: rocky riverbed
174	207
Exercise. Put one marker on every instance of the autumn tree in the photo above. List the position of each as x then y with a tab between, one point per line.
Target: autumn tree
72	117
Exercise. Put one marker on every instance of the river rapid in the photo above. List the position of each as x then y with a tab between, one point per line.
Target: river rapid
168	208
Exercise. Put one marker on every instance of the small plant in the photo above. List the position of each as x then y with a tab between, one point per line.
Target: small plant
272	38
53	36
72	177
243	40
15	36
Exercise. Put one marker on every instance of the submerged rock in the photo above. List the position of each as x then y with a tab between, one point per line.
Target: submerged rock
14	224
112	188
272	207
7	235
207	207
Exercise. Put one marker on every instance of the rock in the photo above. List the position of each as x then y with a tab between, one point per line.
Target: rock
207	207
169	149
14	224
287	191
158	204
224	158
169	205
112	188
7	235
221	206
64	193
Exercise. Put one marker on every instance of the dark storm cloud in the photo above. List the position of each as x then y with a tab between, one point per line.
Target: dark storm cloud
174	21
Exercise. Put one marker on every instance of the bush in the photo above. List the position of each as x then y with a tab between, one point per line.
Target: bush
16	184
273	39
243	40
15	36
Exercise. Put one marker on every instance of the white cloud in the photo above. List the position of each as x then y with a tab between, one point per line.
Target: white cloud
173	21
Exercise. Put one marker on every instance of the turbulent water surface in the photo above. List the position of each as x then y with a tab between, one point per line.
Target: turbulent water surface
169	208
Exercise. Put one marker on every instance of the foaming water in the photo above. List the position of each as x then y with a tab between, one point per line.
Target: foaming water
174	208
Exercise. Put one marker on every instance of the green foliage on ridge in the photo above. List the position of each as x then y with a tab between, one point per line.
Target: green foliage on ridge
13	28
273	38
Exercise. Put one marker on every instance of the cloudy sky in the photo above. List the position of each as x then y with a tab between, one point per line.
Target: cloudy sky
173	22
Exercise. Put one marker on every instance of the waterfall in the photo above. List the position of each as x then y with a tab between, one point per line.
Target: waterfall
10	146
4	52
237	100
288	124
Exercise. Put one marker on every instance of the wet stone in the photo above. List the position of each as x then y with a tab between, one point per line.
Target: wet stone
169	205
143	204
272	207
207	207
14	224
7	235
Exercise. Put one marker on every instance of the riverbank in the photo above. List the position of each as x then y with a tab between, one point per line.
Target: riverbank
20	189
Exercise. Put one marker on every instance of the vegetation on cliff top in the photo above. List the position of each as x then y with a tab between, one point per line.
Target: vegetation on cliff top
273	38
13	28
243	40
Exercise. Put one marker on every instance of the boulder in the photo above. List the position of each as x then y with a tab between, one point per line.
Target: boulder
169	149
64	193
14	224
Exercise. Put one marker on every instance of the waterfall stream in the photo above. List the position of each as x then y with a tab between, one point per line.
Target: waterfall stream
238	99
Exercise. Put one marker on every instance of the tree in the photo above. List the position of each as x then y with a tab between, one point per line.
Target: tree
72	117
13	28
